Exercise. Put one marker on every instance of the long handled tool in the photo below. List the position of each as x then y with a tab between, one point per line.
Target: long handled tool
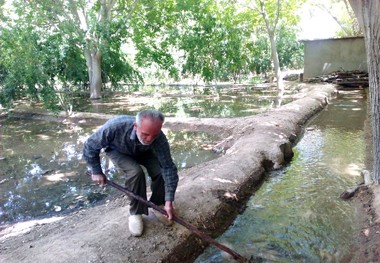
180	221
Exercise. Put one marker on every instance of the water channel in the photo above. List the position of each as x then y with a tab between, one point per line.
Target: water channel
297	215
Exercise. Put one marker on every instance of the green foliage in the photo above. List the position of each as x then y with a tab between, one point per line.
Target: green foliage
44	54
224	42
118	71
35	65
45	49
290	50
20	63
63	60
214	43
155	34
260	59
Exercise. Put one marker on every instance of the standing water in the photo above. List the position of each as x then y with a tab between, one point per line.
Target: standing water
42	171
297	215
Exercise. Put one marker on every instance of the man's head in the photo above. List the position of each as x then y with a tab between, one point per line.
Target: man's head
148	125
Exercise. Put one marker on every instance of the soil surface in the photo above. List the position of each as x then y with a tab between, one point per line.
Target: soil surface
209	196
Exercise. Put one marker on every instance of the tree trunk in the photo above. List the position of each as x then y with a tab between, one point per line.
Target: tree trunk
271	32
1	146
93	62
276	64
367	12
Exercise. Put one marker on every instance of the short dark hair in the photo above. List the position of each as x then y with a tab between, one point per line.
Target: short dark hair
150	114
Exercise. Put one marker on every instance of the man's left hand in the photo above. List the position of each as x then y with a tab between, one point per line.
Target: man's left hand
169	209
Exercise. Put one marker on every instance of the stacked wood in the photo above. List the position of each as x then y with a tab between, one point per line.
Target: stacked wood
345	78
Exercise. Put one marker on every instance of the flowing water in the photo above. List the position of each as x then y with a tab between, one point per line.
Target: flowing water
297	215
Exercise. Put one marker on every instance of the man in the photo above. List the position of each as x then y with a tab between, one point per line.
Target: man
130	142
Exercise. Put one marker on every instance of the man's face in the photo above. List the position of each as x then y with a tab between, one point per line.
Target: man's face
148	131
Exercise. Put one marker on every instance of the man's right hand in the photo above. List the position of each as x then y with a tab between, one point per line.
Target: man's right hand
99	178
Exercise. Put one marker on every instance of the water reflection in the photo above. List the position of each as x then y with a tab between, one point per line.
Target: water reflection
188	101
42	167
297	215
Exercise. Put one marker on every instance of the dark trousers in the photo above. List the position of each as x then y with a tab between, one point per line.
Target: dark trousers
136	181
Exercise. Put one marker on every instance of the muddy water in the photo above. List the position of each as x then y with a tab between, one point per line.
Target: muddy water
42	171
297	215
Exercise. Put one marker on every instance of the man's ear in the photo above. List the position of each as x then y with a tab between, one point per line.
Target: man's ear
135	125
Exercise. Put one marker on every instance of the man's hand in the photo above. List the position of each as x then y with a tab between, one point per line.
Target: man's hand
99	178
169	209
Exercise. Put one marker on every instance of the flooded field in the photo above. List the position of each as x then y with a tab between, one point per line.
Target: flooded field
43	170
189	101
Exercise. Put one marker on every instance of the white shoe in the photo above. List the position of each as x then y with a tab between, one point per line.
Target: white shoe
163	219
136	225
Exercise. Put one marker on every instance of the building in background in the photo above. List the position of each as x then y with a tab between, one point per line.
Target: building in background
325	56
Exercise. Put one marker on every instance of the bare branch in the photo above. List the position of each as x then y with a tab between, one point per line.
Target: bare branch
275	22
264	13
324	8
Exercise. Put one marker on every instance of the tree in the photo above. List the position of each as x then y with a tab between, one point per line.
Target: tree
367	12
214	42
223	41
99	28
274	14
79	43
89	23
23	73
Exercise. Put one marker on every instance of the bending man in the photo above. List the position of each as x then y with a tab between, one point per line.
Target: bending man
130	142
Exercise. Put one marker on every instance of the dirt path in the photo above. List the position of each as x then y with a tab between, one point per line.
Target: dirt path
209	196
